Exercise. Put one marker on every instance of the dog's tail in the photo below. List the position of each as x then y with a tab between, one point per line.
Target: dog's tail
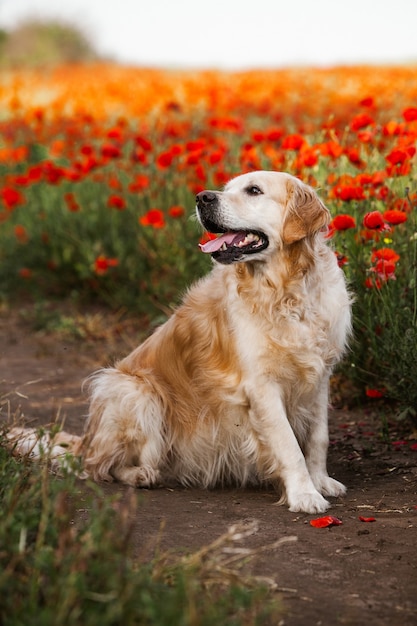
60	448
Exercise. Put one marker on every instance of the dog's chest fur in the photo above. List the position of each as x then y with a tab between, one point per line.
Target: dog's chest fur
296	332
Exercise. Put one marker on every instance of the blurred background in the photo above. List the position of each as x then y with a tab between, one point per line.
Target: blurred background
223	34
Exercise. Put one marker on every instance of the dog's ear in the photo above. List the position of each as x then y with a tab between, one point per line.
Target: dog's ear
305	213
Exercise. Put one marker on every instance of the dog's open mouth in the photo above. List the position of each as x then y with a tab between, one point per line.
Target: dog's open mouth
233	245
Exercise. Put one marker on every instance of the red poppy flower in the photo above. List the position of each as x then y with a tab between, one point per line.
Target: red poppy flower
102	264
215	157
86	149
34	173
324	522
140	183
207	237
25	272
391	128
176	211
143	143
367	102
342	222
274	134
349	192
354	156
293	142
370	283
116	202
375	221
111	151
115	133
71	202
410	114
342	260
308	157
385	254
361	121
165	159
396	157
52	173
11	197
21	233
332	149
394	217
384	269
154	218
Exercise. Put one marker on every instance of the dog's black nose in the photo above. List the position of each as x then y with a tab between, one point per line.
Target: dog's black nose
205	198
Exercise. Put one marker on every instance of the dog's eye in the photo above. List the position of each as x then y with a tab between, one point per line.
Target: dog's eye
253	190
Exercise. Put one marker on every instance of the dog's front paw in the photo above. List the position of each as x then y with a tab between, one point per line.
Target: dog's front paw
143	476
329	486
308	503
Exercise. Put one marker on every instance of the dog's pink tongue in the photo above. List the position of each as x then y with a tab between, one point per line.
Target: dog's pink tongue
215	244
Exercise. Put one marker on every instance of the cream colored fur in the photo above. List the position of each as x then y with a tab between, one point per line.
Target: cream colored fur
233	388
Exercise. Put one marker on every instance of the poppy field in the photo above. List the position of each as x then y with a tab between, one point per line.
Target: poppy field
100	165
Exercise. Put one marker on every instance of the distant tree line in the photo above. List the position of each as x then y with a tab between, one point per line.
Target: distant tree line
40	43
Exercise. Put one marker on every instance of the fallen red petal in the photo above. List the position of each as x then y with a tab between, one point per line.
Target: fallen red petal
367	519
324	522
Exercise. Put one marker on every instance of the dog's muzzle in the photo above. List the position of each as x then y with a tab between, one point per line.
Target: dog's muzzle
207	206
233	245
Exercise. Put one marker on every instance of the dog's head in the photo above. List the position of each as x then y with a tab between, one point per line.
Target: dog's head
257	214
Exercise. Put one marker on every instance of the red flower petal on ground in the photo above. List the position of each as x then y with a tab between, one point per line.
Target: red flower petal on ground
375	393
413	446
324	522
366	519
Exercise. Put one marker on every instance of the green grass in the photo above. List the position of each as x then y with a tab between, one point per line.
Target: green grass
66	557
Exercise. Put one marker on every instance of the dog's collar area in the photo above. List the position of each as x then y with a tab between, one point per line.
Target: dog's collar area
232	246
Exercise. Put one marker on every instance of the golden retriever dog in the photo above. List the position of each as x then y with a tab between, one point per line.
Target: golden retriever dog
233	388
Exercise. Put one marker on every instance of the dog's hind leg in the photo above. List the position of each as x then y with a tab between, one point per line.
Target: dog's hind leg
124	439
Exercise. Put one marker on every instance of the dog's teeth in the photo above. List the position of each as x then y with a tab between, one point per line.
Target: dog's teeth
250	238
224	247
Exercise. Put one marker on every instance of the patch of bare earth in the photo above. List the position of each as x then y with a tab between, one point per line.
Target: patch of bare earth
357	573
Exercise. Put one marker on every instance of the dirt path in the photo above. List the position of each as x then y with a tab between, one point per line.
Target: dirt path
357	573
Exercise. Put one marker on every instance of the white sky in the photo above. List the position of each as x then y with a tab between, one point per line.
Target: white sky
236	34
